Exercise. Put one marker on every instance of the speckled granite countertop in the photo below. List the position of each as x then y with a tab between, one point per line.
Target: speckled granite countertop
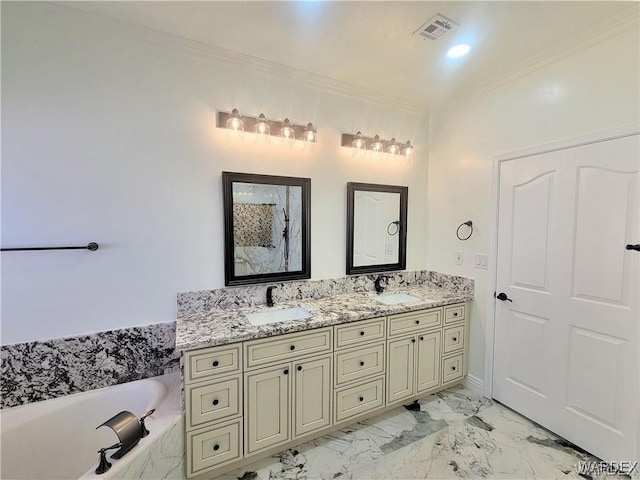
223	326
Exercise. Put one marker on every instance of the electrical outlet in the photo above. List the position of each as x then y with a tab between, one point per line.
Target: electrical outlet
459	258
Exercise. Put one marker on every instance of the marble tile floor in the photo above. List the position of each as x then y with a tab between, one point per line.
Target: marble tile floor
449	435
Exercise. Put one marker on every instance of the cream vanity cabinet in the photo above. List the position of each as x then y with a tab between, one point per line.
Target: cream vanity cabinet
251	399
287	388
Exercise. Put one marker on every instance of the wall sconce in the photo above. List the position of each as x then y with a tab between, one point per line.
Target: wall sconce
375	144
267	128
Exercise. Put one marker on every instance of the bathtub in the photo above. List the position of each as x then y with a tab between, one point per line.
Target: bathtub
57	439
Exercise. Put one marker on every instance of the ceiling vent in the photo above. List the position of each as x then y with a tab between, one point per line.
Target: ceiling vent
436	27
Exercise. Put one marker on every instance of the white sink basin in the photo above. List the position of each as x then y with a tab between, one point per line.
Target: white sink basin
396	298
277	315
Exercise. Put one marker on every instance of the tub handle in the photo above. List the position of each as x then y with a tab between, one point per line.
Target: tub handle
145	430
105	465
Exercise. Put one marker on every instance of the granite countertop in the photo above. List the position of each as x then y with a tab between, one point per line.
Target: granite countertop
224	326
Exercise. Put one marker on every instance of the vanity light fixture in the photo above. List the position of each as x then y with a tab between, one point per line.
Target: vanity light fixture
235	122
393	148
310	134
266	128
287	131
359	142
407	150
377	145
262	126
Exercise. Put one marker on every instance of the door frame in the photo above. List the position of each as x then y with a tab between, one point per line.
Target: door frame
577	141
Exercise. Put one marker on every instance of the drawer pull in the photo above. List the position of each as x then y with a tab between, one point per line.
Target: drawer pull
417	322
216	363
455	339
292	347
216	447
299	367
362	364
286	371
362	399
361	334
216	401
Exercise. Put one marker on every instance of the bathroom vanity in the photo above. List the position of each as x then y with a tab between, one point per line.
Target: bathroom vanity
253	391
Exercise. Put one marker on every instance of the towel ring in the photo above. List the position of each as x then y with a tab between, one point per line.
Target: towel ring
469	224
397	224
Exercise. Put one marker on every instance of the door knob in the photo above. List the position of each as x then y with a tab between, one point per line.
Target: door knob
635	247
503	296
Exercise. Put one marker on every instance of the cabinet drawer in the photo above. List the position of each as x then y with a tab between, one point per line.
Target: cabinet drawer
212	448
285	347
452	368
414	321
453	339
361	363
454	313
360	399
213	401
204	363
360	332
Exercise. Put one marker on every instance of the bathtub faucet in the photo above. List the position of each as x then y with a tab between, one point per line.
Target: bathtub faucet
104	465
145	430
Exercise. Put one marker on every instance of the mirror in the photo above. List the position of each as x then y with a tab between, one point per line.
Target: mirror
376	228
266	228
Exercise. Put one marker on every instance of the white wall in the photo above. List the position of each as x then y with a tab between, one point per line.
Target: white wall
109	136
593	90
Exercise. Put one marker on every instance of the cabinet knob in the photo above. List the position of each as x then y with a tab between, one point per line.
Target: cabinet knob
421	338
216	363
455	314
362	399
286	371
453	368
292	347
216	401
361	334
455	339
299	367
413	340
362	364
216	447
417	322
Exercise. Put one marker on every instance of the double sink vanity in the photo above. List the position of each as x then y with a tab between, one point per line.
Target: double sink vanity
258	380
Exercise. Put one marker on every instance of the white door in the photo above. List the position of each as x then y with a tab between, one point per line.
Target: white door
369	242
566	337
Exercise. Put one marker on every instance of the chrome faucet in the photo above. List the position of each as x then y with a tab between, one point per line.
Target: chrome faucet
379	288
270	296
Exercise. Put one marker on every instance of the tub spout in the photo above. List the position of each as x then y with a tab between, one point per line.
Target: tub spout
145	430
104	465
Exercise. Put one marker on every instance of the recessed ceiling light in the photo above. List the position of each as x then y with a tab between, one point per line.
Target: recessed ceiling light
458	51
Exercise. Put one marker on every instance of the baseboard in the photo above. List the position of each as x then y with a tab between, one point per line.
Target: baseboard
474	383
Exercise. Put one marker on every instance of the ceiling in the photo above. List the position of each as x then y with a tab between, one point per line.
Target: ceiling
371	44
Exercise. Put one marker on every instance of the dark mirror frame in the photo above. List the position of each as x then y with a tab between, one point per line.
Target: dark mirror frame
402	233
230	278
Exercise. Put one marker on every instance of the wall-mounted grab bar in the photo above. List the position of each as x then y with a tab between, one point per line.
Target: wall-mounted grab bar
92	247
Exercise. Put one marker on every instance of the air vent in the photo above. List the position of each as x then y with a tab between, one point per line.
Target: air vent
436	27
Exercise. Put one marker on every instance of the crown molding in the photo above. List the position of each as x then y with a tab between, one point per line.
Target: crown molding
605	30
248	62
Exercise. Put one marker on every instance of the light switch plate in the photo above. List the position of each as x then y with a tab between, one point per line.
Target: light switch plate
481	260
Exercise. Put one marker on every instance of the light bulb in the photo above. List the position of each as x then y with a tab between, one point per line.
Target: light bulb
234	122
262	127
393	147
359	142
310	133
376	145
286	130
407	151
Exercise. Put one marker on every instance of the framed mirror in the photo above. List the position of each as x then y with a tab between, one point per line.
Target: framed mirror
267	228
376	228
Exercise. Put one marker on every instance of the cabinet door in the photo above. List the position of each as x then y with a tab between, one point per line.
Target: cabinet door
312	395
428	361
400	380
266	408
